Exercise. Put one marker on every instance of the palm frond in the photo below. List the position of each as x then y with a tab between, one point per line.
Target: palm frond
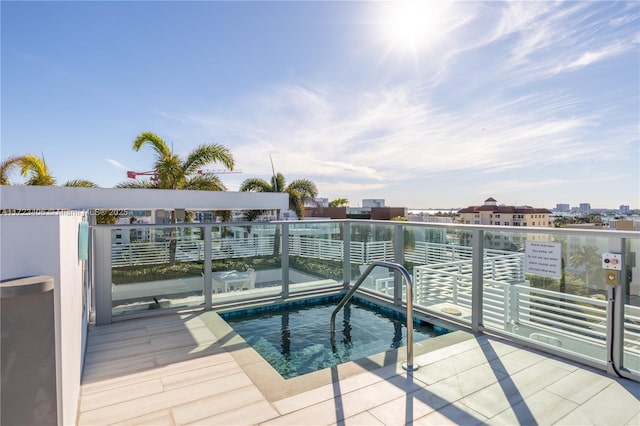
205	183
138	184
296	202
35	167
255	185
206	154
278	183
157	143
171	174
6	166
305	188
80	183
252	215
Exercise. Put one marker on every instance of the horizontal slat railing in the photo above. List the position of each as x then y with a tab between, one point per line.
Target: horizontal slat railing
319	248
150	252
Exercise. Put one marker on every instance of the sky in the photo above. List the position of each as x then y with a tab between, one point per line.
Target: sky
425	105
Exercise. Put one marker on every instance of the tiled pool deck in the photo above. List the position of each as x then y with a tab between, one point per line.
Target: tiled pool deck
192	369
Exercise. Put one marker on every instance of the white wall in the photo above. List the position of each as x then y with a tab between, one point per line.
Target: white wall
48	245
53	197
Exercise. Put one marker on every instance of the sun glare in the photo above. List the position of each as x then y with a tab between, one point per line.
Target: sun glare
413	25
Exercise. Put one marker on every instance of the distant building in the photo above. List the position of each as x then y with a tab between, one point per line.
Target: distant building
624	209
205	216
321	212
369	203
625	225
387	213
490	213
373	209
430	218
317	202
585	208
563	208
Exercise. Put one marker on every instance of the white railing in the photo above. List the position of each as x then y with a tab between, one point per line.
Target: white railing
242	247
319	248
566	318
562	315
151	253
378	250
427	253
451	284
443	274
632	329
139	253
503	265
357	252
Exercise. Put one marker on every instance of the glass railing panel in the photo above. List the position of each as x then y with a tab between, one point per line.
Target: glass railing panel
372	241
246	261
631	289
439	260
156	268
379	280
547	287
316	255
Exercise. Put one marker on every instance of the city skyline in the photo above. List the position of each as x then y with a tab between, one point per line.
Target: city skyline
422	104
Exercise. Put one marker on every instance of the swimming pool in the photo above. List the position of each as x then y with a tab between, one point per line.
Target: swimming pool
296	340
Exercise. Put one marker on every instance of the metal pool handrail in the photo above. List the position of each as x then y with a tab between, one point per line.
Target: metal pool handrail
409	366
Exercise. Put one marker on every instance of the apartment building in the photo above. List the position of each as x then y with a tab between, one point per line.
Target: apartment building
490	213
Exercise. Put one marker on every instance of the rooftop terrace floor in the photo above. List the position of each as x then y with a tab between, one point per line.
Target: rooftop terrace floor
192	369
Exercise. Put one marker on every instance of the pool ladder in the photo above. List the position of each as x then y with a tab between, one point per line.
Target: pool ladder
409	366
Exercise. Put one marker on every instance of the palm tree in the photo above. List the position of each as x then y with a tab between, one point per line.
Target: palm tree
6	166
35	167
174	173
587	257
299	191
339	202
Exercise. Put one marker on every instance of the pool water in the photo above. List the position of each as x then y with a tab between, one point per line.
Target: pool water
297	340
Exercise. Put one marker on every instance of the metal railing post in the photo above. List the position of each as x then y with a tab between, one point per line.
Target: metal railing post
285	259
477	278
102	271
398	249
455	290
346	255
207	286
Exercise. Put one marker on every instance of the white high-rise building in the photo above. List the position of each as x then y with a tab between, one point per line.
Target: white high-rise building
585	208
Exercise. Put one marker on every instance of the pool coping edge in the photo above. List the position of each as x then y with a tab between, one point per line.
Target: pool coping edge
274	387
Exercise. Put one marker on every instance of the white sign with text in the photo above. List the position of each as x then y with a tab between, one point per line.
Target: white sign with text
543	258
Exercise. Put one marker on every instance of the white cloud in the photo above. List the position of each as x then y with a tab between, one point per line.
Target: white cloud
117	164
540	184
342	187
395	133
623	20
506	115
591	57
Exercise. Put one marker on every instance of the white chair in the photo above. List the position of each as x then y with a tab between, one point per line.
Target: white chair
224	281
244	281
221	280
